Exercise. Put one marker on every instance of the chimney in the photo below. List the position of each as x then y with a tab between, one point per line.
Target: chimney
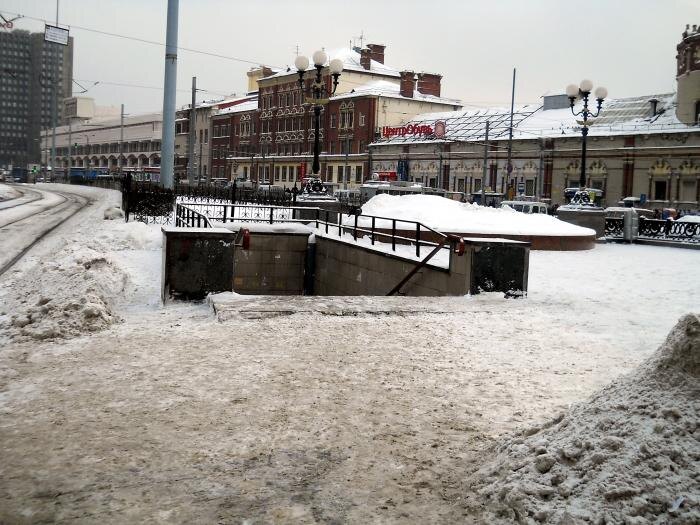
429	84
653	102
408	83
376	52
365	58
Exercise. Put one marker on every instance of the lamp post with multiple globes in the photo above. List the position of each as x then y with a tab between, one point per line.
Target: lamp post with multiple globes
317	93
583	91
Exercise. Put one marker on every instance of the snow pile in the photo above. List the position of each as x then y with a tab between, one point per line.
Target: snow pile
113	212
446	215
630	454
8	193
127	236
68	297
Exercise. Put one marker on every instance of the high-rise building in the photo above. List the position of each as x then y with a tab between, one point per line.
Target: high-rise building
32	74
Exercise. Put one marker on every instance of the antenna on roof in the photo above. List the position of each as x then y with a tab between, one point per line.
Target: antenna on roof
361	38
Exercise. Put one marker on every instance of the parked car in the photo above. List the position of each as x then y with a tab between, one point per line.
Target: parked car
525	206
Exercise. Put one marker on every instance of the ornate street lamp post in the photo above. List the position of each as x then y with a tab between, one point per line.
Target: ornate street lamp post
317	93
584	91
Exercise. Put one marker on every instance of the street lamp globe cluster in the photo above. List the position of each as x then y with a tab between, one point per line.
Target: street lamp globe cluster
317	93
583	91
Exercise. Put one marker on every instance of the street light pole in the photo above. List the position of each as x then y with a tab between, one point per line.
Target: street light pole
584	91
318	94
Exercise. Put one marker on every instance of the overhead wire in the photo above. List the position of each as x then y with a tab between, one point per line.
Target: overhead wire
146	41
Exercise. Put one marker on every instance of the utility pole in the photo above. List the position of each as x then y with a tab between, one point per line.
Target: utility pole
193	134
170	83
345	172
53	110
199	163
70	145
121	143
509	165
486	159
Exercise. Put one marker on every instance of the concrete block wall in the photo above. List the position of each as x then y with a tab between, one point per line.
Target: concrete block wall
196	262
593	219
274	264
344	269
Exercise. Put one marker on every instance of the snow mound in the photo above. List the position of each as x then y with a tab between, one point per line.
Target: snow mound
446	215
113	212
70	296
8	193
128	236
630	454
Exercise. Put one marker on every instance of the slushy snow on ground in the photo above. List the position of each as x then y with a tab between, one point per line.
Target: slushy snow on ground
388	410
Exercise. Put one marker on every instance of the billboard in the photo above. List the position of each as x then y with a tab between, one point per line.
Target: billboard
55	34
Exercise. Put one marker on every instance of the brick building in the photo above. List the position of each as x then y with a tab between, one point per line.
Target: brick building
272	138
645	147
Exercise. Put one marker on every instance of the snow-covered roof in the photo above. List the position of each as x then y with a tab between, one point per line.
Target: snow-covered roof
248	105
216	103
618	117
351	62
97	123
465	125
389	89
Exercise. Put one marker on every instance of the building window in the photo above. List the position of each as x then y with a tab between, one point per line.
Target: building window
329	173
206	136
358	174
362	119
660	190
333	120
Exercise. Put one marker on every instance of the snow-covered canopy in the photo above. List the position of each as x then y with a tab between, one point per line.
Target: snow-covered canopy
617	117
446	215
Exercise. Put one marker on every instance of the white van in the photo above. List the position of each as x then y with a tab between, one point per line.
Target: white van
525	206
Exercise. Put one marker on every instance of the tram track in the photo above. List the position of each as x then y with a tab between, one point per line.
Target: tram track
70	205
37	196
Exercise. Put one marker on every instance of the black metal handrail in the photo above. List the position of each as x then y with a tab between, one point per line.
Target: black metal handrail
219	212
185	216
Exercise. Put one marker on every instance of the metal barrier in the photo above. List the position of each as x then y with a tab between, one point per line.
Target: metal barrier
191	214
669	229
614	226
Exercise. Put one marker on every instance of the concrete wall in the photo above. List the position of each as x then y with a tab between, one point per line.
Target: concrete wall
196	262
273	265
593	219
346	269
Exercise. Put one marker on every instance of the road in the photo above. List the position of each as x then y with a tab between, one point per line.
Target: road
26	220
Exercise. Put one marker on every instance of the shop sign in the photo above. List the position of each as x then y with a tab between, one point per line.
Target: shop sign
385	175
56	34
402	131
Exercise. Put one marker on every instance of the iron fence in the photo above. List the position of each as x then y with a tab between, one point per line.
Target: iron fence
664	229
669	229
614	226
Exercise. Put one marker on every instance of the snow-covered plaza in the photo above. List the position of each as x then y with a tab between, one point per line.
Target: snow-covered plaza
114	407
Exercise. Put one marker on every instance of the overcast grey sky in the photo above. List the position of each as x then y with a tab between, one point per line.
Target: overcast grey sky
626	45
